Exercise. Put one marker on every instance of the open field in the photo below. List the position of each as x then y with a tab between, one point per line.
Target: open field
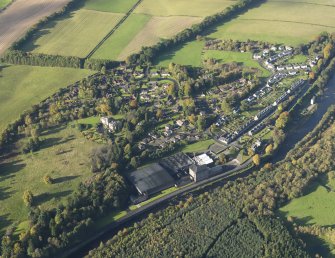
74	35
156	29
289	22
114	6
24	86
4	3
317	206
21	15
64	157
200	8
114	45
188	54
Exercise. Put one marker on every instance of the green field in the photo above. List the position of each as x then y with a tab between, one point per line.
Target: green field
75	35
4	3
200	8
286	22
198	146
316	207
298	59
24	86
114	6
64	156
188	54
114	45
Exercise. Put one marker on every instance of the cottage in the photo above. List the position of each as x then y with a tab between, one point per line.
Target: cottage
180	123
111	124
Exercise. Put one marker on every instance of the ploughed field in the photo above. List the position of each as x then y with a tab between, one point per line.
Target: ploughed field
21	15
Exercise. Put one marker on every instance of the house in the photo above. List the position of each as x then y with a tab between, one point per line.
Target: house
280	68
257	56
256	145
180	123
164	75
111	124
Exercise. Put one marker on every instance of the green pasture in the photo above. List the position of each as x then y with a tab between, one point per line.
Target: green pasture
114	6
4	3
113	46
63	156
73	35
200	8
317	206
188	54
24	86
298	59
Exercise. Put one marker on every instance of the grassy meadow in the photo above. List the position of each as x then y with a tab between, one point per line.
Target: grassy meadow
63	156
24	86
316	207
114	45
4	3
75	35
199	8
113	6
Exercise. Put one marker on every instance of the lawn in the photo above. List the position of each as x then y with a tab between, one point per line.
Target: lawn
155	29
238	57
188	54
74	35
298	59
199	8
113	46
4	3
114	6
63	156
198	146
24	86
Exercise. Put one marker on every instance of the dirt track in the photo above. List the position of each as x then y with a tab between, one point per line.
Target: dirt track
21	15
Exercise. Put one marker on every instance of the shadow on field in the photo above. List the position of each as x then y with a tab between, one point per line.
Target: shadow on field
45	197
8	169
56	141
4	221
5	193
64	179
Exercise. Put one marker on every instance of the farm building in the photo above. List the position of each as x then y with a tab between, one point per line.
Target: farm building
199	173
177	163
150	179
203	159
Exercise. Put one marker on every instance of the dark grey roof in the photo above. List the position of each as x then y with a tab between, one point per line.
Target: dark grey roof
151	179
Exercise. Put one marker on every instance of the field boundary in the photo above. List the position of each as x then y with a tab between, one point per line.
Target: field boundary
297	22
113	30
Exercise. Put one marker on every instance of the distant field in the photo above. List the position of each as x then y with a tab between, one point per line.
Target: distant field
23	86
200	8
64	156
4	3
114	45
75	35
158	28
290	22
114	6
316	207
199	146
